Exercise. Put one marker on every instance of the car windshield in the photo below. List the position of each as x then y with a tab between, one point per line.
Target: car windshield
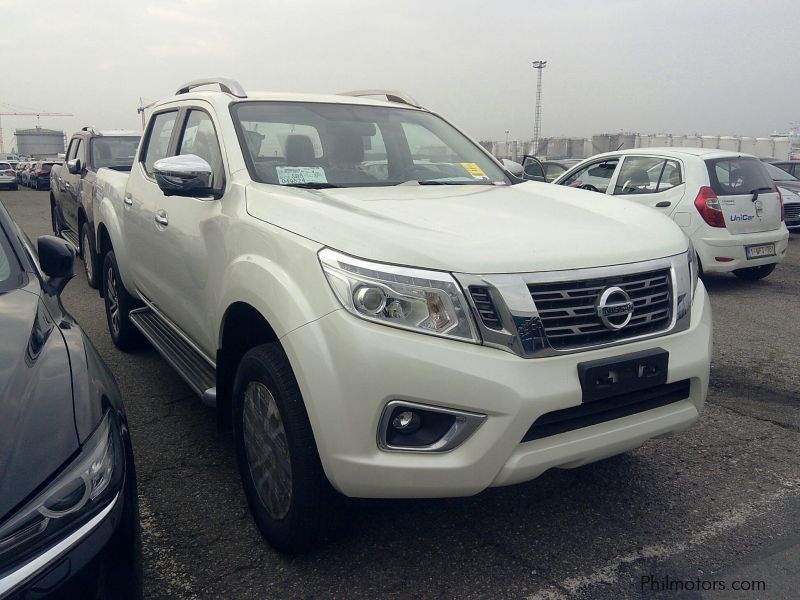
347	145
779	174
114	152
9	266
738	176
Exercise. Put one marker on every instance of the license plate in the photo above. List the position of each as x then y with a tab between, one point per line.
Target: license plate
618	375
759	251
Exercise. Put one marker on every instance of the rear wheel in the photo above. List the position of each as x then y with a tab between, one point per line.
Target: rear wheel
89	257
292	502
119	303
755	273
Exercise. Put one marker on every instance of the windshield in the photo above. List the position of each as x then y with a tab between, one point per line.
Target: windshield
114	152
9	266
347	145
738	176
779	174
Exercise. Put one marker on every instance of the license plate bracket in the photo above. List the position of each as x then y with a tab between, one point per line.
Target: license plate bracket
759	251
617	375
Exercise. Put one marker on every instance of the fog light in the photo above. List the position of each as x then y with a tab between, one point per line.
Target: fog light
407	421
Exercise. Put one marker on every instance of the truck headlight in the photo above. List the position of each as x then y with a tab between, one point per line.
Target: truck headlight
82	489
414	299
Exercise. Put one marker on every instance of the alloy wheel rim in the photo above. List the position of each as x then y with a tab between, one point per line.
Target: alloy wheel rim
267	450
113	300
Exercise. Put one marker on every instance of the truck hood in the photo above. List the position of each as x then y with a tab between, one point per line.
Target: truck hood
37	422
472	228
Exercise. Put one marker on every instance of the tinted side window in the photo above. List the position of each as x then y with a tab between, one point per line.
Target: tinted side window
670	176
595	177
200	138
553	171
73	148
158	139
80	153
639	175
737	176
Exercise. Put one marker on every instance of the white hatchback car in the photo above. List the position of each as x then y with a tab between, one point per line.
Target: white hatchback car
725	202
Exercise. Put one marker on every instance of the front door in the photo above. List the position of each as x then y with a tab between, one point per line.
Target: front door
653	181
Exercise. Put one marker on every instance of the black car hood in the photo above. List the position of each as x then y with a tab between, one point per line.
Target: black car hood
37	421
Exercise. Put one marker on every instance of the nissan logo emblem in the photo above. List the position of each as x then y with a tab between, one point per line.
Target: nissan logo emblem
615	308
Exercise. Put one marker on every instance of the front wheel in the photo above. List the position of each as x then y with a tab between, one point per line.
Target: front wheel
755	273
119	303
292	502
89	257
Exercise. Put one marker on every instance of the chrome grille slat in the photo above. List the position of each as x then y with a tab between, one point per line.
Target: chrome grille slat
568	309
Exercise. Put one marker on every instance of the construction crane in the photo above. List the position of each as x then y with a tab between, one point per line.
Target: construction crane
27	114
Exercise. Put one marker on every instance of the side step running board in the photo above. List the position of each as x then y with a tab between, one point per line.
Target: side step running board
186	360
71	237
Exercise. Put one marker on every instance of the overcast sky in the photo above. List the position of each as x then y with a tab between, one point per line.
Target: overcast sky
684	66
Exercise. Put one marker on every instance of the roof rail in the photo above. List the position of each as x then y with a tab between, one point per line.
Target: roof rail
391	96
91	129
227	85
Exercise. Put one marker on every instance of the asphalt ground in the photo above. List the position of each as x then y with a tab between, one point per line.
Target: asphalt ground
718	504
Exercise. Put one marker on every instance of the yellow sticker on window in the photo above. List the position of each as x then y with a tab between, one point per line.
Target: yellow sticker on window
474	170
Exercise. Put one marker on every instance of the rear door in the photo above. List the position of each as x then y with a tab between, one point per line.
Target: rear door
747	195
653	181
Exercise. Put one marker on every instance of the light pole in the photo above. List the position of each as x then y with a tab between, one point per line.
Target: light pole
537	123
506	148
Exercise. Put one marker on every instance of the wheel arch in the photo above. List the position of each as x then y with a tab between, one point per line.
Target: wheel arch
242	328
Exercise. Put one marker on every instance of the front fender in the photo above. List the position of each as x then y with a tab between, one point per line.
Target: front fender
288	290
106	216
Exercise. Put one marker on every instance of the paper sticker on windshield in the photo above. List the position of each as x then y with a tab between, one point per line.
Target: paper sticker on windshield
474	170
290	175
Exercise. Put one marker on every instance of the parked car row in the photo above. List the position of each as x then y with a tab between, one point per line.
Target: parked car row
34	174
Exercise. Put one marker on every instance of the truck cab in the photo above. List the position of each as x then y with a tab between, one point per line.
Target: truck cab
72	186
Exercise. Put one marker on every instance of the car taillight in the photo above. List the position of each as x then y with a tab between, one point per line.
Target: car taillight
9	172
42	172
707	205
780	199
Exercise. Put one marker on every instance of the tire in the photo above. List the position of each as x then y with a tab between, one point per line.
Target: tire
88	256
266	395
14	188
119	303
755	273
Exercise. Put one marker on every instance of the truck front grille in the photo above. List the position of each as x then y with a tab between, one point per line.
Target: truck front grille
568	310
485	306
792	210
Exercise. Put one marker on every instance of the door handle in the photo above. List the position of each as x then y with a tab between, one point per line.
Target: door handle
664	204
161	218
128	200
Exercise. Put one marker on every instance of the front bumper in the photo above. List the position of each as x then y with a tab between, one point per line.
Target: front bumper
349	369
721	243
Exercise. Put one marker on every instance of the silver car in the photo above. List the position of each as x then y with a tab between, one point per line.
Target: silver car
8	176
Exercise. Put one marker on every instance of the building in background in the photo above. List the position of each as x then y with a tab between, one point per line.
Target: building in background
40	143
780	146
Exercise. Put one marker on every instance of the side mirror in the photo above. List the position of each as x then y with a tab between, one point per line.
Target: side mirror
513	167
74	166
184	175
56	258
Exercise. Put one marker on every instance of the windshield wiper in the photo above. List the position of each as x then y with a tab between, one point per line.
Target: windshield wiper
311	185
757	190
437	182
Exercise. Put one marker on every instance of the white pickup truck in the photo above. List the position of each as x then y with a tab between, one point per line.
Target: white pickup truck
380	309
